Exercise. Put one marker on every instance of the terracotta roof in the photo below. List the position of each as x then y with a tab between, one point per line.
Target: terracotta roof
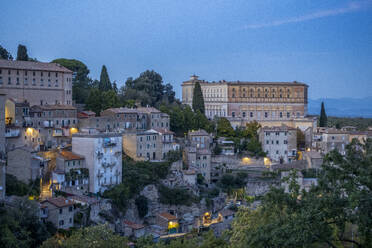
31	65
59	202
54	107
168	216
67	155
133	225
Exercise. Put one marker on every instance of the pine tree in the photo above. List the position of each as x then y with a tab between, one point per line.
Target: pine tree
323	117
4	54
198	100
104	82
22	53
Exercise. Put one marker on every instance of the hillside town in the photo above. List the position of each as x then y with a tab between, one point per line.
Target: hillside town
137	167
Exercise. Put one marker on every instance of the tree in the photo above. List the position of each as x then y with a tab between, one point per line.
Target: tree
4	54
323	117
104	82
22	53
142	205
94	236
110	100
115	87
337	212
81	84
94	101
224	128
197	99
251	130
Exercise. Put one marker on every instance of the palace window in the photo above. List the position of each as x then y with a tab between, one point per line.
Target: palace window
244	114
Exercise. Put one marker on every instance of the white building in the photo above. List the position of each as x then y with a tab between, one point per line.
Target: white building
103	158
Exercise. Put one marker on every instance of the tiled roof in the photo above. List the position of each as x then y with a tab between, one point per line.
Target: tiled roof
167	216
133	225
67	155
59	202
294	83
31	65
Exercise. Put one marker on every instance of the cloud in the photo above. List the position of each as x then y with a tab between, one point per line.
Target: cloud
351	7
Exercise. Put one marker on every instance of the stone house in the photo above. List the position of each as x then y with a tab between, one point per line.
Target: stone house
59	211
25	164
328	139
280	143
143	145
123	118
71	174
155	118
133	229
168	223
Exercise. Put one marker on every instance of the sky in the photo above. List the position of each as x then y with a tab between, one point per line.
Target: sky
326	44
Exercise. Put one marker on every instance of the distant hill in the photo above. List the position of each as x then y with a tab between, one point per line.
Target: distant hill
343	107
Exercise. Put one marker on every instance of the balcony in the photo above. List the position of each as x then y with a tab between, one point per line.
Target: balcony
108	164
12	132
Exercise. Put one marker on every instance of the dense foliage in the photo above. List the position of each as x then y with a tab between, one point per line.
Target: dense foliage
22	53
81	84
175	196
323	117
360	123
147	89
335	213
183	119
198	99
95	236
19	188
20	225
4	54
137	175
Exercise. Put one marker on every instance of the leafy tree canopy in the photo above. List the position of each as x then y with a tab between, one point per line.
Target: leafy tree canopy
4	54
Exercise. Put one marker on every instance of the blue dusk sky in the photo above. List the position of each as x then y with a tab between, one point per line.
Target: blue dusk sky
324	43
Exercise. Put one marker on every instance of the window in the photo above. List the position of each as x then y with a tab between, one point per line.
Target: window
285	142
267	142
233	114
8	72
48	74
17	81
288	114
25	73
9	80
277	142
25	82
60	211
281	114
61	223
266	114
70	220
70	209
244	114
251	114
1	80
33	73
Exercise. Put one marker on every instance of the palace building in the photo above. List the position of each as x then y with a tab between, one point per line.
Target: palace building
36	82
270	103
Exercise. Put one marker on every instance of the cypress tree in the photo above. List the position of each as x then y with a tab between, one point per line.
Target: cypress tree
323	117
22	53
104	82
197	99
